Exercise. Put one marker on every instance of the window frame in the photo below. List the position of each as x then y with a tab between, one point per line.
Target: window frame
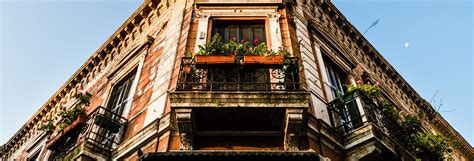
212	22
240	25
130	77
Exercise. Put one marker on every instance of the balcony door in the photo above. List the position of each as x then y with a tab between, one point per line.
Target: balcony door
235	77
119	99
347	116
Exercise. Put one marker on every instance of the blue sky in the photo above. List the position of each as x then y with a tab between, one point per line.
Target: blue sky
439	54
43	42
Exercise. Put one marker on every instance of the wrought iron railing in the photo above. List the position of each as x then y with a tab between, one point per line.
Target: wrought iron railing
346	114
239	77
103	129
346	117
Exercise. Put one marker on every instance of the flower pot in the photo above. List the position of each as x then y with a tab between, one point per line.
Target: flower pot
264	60
76	124
214	59
108	123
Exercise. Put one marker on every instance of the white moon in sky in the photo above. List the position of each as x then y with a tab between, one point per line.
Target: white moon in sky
407	44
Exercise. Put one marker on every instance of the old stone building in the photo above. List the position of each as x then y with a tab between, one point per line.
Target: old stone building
144	95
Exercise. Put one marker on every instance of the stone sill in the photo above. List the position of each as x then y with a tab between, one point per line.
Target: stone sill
279	99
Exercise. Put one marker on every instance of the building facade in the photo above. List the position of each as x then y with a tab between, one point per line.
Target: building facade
144	95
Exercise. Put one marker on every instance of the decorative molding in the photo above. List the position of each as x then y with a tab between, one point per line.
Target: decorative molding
185	129
294	121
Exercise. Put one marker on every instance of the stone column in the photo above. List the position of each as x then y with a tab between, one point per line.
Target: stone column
275	32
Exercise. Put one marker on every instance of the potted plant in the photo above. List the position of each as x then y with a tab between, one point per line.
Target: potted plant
213	52
72	119
259	54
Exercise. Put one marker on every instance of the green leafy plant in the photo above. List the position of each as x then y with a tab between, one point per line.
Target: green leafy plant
68	116
216	46
424	145
47	125
431	146
373	91
369	89
213	47
260	49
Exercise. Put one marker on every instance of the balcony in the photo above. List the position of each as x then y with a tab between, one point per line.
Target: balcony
233	101
364	126
98	134
238	76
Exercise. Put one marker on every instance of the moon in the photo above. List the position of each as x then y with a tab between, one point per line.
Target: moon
407	44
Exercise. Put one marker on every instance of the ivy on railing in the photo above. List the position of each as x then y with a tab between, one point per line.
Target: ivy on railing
425	146
373	92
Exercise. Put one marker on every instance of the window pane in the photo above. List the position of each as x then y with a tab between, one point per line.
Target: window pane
241	30
247	34
220	30
259	34
233	33
336	79
120	94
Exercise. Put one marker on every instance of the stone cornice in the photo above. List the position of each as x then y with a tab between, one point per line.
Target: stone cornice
112	42
447	130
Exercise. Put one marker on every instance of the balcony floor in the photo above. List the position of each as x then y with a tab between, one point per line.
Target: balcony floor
279	99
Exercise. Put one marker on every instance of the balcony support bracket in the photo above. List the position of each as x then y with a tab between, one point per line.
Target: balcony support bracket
184	120
294	121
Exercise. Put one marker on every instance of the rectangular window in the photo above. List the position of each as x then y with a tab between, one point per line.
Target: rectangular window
240	30
35	156
336	79
120	94
346	116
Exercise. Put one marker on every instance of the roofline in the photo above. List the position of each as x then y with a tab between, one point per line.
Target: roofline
454	132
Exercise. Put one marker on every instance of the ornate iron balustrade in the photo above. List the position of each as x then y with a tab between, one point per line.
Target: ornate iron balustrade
238	76
352	110
103	130
346	117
